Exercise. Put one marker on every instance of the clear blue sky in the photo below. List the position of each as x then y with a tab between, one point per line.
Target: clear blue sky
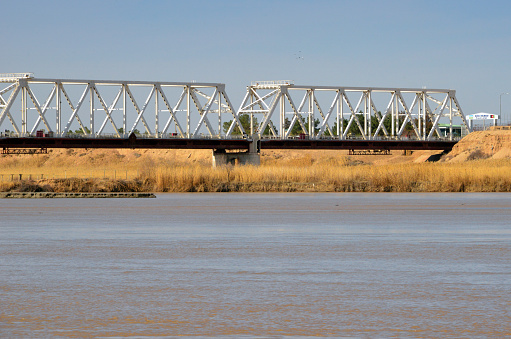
463	45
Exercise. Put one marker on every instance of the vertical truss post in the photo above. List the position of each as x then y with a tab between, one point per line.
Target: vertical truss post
341	113
419	115
156	113
24	117
219	96
397	124
422	119
338	112
282	113
393	115
91	98
366	111
425	114
450	116
311	114
251	115
58	109
369	115
188	94
124	132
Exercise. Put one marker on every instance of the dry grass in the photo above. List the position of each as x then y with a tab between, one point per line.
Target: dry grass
472	176
112	172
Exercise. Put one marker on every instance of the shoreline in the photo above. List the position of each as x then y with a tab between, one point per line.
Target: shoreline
417	179
52	195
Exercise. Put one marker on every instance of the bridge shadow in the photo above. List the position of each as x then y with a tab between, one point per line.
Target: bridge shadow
436	157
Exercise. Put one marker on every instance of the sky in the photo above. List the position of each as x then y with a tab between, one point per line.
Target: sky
461	45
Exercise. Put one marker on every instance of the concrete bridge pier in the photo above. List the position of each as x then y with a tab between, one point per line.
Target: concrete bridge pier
250	157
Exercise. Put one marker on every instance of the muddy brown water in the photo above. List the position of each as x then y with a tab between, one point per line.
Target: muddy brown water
257	265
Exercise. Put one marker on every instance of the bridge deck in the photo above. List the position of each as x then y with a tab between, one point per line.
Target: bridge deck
358	144
149	143
226	144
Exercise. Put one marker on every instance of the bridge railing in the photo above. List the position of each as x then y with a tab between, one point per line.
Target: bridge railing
361	138
11	134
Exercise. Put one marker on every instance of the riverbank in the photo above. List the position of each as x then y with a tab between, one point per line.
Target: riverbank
469	176
481	162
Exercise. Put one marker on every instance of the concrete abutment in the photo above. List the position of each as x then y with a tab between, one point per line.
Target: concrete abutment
221	157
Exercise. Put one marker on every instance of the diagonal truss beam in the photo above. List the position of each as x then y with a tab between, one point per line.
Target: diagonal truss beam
408	115
198	104
43	110
75	109
204	112
140	112
172	111
398	111
5	111
353	115
108	110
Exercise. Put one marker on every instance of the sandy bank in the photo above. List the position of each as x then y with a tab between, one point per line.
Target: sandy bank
494	143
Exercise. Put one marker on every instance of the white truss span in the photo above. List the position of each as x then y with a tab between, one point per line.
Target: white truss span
419	115
104	108
96	108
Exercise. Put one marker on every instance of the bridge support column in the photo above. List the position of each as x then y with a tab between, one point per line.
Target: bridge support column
250	157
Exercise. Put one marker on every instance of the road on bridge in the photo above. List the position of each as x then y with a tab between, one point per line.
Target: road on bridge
223	144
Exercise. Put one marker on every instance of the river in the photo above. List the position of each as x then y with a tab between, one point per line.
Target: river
257	265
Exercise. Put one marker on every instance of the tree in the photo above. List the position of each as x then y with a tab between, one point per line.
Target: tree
375	122
245	122
80	131
297	128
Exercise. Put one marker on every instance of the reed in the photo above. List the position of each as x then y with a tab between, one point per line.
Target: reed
473	176
334	174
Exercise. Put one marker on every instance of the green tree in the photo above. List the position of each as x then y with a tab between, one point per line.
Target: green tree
297	128
245	122
80	131
375	122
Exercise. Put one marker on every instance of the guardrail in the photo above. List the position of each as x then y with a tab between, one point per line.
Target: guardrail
123	136
358	137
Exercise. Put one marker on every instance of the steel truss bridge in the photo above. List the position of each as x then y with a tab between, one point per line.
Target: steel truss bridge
69	113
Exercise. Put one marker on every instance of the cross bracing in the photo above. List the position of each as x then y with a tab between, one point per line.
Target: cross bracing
276	109
317	112
104	108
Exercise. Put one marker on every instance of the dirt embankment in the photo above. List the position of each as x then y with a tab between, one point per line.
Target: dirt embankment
494	143
86	161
